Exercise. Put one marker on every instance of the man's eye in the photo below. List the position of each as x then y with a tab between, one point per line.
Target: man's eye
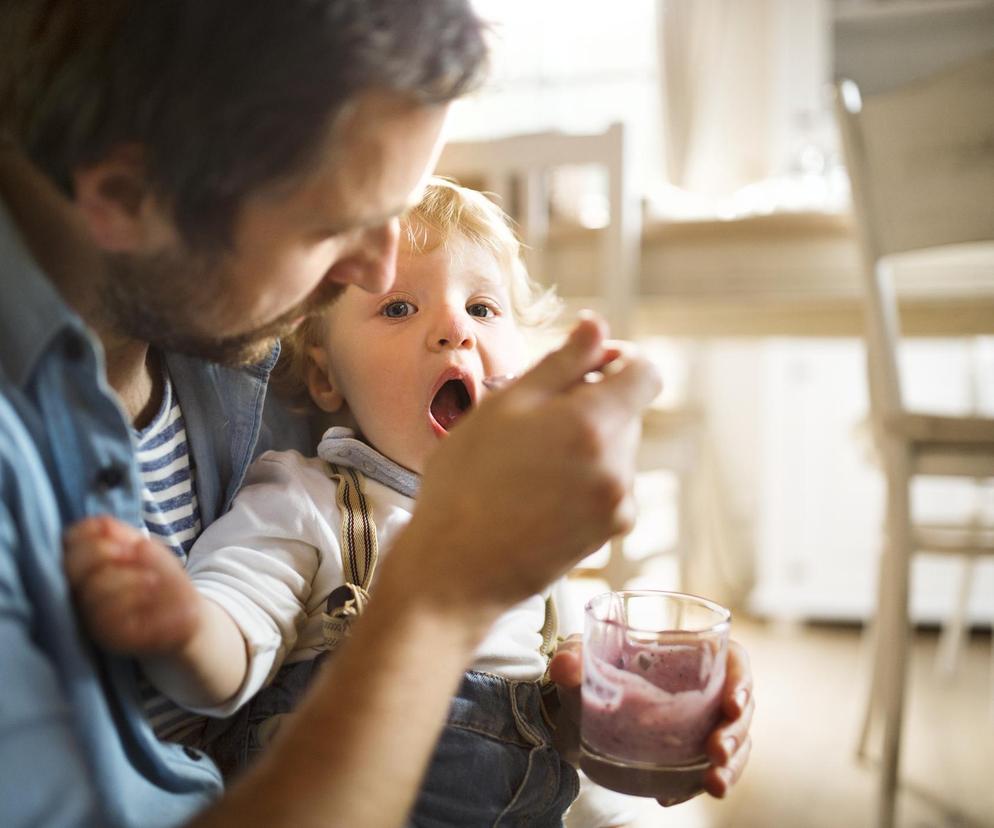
481	310
397	310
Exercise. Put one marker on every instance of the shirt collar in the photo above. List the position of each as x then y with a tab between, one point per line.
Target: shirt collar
32	312
340	445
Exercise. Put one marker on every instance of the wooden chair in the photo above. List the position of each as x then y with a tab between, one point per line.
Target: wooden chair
516	171
921	162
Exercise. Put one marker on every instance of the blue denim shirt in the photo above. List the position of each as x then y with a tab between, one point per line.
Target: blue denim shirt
75	748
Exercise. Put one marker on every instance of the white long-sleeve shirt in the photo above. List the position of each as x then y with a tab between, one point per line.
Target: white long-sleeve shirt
274	558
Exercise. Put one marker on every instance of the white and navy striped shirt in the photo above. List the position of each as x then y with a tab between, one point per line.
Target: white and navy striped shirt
169	501
171	514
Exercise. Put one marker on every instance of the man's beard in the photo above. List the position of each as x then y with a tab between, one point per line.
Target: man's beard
169	299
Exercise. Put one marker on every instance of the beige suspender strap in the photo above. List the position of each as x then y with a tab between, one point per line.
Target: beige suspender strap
550	642
550	629
359	553
359	549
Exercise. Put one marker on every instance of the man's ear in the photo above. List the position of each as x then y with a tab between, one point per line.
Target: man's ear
114	197
319	382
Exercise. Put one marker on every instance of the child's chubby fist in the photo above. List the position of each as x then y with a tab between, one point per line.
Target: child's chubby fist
131	591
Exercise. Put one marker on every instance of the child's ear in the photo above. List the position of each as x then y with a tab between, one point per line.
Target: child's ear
319	383
115	199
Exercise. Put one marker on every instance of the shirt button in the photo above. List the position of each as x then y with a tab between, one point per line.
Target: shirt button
192	753
73	348
109	477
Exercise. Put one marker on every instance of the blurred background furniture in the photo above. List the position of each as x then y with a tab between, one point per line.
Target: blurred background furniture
517	171
921	162
749	295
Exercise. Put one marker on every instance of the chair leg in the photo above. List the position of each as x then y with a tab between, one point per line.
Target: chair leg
892	656
894	650
873	642
951	640
871	659
990	712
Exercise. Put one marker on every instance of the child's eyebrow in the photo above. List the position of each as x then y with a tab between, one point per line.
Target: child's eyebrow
485	280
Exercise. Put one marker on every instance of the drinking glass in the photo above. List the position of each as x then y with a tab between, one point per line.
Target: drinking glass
653	673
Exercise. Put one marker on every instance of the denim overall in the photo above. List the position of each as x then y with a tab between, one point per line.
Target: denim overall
494	763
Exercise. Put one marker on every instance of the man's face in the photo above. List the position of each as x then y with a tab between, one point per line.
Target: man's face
294	250
410	361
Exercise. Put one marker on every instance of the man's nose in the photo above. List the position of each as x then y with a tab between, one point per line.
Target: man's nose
371	259
378	257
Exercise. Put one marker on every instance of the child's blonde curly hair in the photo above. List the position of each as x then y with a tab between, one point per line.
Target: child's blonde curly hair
446	210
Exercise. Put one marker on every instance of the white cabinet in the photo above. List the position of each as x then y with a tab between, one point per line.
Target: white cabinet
819	496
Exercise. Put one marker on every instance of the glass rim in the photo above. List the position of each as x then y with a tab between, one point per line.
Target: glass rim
724	613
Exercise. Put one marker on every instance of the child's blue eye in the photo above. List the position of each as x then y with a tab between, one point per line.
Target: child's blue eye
397	310
481	310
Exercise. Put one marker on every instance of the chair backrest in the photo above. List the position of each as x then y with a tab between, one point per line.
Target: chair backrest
921	163
516	170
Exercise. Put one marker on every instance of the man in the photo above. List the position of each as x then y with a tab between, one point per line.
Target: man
182	181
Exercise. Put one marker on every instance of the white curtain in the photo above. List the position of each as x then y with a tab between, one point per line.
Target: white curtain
741	81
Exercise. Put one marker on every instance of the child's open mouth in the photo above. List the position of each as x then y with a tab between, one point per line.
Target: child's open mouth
451	401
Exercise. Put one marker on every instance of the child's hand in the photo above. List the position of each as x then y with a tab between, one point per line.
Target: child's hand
131	591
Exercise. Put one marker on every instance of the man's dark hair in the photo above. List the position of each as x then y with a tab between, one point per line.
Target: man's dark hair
224	96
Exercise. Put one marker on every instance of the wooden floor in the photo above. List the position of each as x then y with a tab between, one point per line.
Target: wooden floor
803	773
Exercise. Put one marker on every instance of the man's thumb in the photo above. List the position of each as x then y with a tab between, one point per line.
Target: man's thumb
582	352
566	668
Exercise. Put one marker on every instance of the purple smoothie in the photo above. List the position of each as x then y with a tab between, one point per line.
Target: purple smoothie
649	704
653	703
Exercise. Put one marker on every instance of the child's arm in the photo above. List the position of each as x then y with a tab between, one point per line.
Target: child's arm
135	598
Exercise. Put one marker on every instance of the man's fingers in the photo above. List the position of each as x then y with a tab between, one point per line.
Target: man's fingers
729	746
675	800
737	706
718	781
726	740
566	668
738	681
626	389
582	352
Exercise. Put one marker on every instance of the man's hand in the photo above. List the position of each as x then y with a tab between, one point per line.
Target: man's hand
131	591
538	476
728	746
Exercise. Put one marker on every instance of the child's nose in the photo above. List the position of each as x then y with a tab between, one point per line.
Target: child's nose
451	331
